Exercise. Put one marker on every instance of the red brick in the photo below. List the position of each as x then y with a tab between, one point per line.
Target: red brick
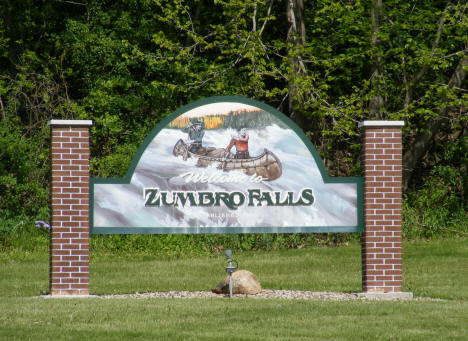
71	167
385	133
81	252
58	251
384	157
81	162
80	286
394	283
394	206
78	140
373	195
70	246
393	151
374	261
394	250
374	283
370	152
71	133
393	228
57	152
375	162
384	178
60	286
70	235
71	258
81	274
80	184
393	140
70	190
57	161
59	139
384	244
56	219
60	240
80	229
72	224
394	260
384	278
374	206
393	162
383	211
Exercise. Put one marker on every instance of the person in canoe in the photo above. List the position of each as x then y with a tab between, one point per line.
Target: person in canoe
242	145
195	136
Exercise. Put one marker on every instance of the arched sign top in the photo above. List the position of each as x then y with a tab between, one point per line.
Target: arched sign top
226	165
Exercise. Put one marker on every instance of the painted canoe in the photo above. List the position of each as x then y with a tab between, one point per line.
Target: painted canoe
266	165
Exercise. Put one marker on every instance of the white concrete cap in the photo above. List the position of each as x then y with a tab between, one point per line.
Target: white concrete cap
366	124
385	296
70	123
66	296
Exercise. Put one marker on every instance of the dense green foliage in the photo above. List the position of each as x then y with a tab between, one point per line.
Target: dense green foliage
127	64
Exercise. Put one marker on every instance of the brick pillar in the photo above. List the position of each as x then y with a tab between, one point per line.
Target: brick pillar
69	239
381	241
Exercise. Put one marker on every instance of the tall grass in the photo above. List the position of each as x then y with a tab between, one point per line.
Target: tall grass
25	236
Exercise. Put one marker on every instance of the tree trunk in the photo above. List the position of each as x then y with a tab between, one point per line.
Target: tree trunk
296	36
376	104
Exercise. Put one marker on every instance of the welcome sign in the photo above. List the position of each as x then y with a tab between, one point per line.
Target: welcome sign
226	165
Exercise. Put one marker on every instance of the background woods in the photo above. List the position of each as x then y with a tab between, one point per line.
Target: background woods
327	64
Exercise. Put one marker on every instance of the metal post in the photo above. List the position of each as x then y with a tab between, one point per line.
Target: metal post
229	269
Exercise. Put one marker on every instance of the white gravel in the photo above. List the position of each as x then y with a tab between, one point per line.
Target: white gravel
265	294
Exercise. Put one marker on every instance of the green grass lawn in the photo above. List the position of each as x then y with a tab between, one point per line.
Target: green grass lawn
437	269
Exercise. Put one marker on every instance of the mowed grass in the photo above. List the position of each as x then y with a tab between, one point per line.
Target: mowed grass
437	269
224	319
321	269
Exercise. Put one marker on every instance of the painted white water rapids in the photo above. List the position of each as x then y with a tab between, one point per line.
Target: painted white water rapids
123	205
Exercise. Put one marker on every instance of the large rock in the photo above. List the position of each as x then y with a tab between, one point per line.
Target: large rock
243	282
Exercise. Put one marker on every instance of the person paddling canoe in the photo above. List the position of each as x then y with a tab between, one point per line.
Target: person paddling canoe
242	145
195	134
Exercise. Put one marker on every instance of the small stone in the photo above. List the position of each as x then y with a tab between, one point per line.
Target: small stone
243	282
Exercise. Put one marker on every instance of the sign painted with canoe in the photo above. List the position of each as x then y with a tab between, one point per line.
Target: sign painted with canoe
226	165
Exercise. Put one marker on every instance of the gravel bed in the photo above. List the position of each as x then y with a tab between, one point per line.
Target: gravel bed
265	294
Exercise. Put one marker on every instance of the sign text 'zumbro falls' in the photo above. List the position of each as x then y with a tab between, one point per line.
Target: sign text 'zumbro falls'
226	165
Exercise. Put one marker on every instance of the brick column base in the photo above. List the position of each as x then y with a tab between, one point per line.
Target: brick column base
381	241
69	238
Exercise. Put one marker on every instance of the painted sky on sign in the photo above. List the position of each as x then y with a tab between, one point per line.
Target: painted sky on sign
217	109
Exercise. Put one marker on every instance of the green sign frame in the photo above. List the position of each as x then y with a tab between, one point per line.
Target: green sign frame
359	227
